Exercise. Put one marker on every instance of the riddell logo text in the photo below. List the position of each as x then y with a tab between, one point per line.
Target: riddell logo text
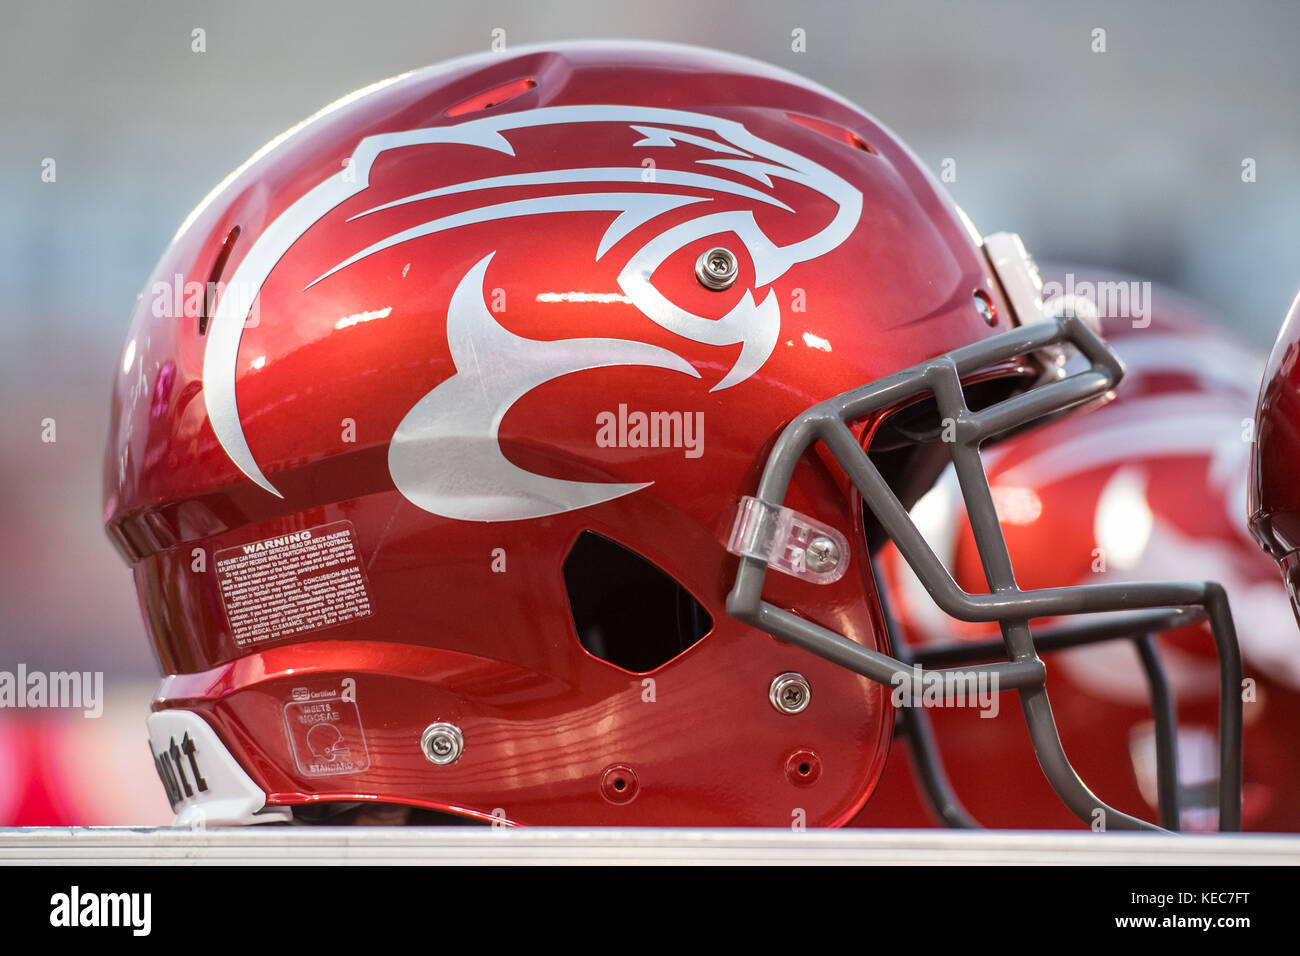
75	908
624	429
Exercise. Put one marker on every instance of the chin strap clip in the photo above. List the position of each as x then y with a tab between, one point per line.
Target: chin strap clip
789	542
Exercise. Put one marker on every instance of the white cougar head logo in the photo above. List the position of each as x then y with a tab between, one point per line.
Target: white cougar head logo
444	456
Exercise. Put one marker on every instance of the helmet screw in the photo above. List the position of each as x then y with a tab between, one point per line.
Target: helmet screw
984	306
442	743
822	554
717	269
789	692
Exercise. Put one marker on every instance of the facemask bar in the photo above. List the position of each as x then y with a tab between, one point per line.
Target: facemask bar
914	727
1006	604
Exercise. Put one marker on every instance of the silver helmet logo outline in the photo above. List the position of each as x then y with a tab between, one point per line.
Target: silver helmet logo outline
473	480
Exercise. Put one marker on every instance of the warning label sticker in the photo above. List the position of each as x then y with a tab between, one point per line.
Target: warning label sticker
325	731
292	583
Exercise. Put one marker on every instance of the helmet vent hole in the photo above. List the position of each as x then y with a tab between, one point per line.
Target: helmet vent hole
803	768
214	277
493	97
834	131
626	611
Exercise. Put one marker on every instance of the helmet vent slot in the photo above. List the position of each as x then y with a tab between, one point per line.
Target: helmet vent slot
214	277
834	131
493	97
626	611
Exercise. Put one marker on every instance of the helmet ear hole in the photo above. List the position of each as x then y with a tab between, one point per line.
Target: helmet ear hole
626	611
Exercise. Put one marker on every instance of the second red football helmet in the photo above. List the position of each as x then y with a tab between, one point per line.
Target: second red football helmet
1149	485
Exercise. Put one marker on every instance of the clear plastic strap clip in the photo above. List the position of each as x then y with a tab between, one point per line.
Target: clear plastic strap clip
789	542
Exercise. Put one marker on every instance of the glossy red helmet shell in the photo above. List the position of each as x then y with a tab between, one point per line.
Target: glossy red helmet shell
402	346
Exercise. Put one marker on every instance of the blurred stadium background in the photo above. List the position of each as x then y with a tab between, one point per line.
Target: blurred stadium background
1131	159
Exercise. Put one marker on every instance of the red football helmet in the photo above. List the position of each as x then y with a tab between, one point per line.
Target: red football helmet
529	420
1148	485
